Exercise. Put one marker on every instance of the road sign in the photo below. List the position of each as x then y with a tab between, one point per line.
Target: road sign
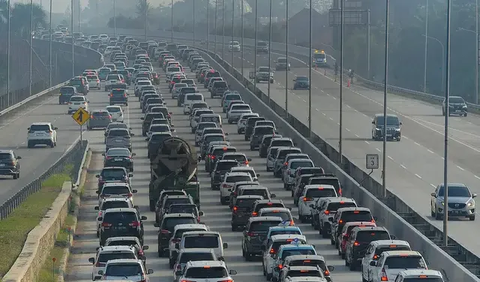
373	161
81	116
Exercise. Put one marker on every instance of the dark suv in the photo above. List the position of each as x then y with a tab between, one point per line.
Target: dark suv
148	119
221	168
218	88
255	233
393	127
242	210
119	96
119	222
249	125
9	164
113	174
167	227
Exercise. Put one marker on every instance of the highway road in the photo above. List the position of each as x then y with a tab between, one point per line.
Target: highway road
216	216
415	164
35	161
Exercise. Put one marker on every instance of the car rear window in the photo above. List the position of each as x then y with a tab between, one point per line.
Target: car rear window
210	119
263	226
285	152
264	130
115	204
269	205
121	190
172	201
283	215
123	270
225	166
120	217
287	231
201	241
255	192
171	222
104	257
113	109
240	107
233	97
113	173
238	158
221	84
100	114
77	99
160	137
186	257
183	209
333	207
179	233
298	164
380	250
245	203
299	251
194	97
6	156
205	273
369	236
118	132
118	92
123	243
308	262
237	178
214	138
320	193
405	262
144	83
350	216
187	90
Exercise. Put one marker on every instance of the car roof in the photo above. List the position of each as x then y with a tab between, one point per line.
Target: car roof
353	209
401	253
411	273
249	197
197	250
115	248
303	257
41	123
274	209
379	243
280	237
274	201
265	218
202	263
319	186
189	226
369	228
118	261
178	215
115	210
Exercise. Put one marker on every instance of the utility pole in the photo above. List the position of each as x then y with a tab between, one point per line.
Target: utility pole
194	22
208	25
310	74
287	57
9	98
30	73
269	50
73	41
385	89
114	18
50	68
171	24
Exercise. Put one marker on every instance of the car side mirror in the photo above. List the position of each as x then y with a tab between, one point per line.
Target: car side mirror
97	176
373	263
96	208
330	219
91	260
100	219
273	196
145	248
373	122
156	225
433	195
258	174
474	195
134	154
98	192
146	139
103	154
132	134
172	130
225	245
331	268
150	271
130	175
393	237
28	129
233	272
143	217
100	272
249	159
55	128
19	158
200	213
401	123
142	118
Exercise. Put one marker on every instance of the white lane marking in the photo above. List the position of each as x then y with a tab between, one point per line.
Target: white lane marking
476	176
430	151
404	167
405	137
347	129
390	158
378	149
367	142
416	143
418	176
304	100
356	135
317	110
460	168
338	123
330	118
433	185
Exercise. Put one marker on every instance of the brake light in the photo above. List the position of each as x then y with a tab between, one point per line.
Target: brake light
269	204
140	252
372	221
340	221
129	195
235	209
69	103
356	212
165	231
246	162
104	224
254	213
326	273
212	157
280	266
272	251
320	188
91	117
292	222
108	158
375	257
286	163
250	234
327	212
305	199
111	95
303	271
135	224
229	280
423	276
109	116
356	244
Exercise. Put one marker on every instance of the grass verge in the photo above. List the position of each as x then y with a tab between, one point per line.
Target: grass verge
15	228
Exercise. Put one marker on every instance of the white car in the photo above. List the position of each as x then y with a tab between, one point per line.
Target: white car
140	83
109	203
327	210
42	133
228	181
236	112
310	195
234	46
420	274
103	37
190	99
116	112
94	81
111	80
105	254
125	269
76	102
214	270
173	244
391	263
375	249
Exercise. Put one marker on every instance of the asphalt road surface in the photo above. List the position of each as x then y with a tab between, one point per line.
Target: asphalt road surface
414	165
216	216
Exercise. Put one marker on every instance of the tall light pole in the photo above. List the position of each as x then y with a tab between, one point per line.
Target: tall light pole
243	35
171	23
255	47
8	51
233	26
385	88
30	72
310	73
73	41
476	52
114	18
208	25
443	56
215	27
286	56
340	128
447	114
223	29
146	19
50	68
426	50
269	49
194	22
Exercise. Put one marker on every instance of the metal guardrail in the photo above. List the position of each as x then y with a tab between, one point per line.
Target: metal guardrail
72	157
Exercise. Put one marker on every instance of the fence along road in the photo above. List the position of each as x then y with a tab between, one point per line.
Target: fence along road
217	217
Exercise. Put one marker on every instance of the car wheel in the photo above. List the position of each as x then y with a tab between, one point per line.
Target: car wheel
465	115
472	218
16	176
438	216
52	144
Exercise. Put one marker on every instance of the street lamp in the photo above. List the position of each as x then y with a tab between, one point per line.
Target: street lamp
443	55
30	73
475	100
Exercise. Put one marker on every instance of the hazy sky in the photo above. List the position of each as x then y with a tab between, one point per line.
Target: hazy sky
59	6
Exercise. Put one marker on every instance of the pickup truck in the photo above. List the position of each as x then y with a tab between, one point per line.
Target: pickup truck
262	74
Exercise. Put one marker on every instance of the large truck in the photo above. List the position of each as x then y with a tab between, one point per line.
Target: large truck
174	168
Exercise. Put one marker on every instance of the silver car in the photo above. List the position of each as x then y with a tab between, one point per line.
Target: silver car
242	122
460	201
237	111
99	118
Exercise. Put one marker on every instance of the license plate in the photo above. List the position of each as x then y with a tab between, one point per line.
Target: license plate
120	227
118	159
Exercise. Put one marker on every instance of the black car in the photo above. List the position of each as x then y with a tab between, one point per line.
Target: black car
66	92
9	164
221	168
255	233
148	119
242	210
119	96
167	227
249	125
394	127
257	135
301	82
218	88
120	157
121	222
154	143
457	106
113	174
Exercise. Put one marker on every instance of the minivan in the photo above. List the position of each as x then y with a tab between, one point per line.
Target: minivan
204	239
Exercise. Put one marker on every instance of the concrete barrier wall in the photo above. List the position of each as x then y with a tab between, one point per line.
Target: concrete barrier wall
40	240
434	255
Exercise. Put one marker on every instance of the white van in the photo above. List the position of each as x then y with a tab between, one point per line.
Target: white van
190	99
216	118
203	240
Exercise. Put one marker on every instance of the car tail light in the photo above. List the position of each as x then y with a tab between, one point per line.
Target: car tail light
292	223
91	117
340	221
246	162
250	234
384	275
327	212
109	116
305	199
356	244
104	224
176	240
228	280
286	163
254	213
135	224
187	281
326	273
165	231
280	266
111	95
235	209
125	95
98	80
375	257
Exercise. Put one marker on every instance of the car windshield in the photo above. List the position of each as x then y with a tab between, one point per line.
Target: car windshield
405	262
255	192
116	125
238	158
320	193
180	85
299	251
283	215
202	125
298	164
118	132
115	190
302	78
120	217
173	69
201	241
114	205
183	209
171	222
159	137
206	272
456	100
280	143
124	270
104	257
113	109
263	130
101	114
455	191
220	84
245	203
77	99
209	139
263	226
118	152
160	128
113	173
238	178
186	257
369	236
391	120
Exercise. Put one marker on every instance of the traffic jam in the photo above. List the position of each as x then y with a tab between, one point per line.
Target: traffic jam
269	226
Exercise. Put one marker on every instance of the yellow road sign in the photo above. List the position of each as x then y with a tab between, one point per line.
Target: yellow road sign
81	116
